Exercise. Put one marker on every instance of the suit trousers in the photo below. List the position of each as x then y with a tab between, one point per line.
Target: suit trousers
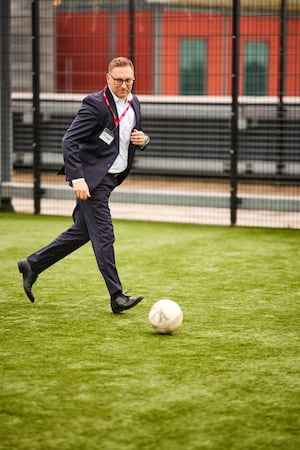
92	222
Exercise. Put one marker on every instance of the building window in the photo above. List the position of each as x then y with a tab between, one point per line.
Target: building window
256	57
193	66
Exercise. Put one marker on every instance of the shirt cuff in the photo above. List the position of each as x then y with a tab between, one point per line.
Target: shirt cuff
146	142
77	179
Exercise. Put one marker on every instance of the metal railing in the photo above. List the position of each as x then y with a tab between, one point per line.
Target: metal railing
193	141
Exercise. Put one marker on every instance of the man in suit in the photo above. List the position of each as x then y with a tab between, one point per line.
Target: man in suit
98	150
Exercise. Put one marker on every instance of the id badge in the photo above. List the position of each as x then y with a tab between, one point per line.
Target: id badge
107	136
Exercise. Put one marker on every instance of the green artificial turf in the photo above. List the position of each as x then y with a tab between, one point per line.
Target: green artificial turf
74	376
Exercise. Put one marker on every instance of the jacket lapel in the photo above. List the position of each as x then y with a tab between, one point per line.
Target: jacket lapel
111	101
134	105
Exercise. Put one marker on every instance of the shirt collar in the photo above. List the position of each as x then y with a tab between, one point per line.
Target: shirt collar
120	100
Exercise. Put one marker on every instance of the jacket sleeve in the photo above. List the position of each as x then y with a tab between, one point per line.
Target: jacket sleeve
137	109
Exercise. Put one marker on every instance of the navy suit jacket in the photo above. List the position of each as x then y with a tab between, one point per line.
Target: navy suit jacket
87	156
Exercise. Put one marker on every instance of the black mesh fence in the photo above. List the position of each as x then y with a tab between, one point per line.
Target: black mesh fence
218	82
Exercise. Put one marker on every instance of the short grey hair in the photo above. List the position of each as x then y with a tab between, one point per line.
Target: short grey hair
120	61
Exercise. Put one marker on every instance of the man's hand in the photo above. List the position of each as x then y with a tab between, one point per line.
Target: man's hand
139	138
81	189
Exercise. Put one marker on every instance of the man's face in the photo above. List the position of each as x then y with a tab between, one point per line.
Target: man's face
117	74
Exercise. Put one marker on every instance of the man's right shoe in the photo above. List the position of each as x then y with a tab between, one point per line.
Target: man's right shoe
123	302
29	277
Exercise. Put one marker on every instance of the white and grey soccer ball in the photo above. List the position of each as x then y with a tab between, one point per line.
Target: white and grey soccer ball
166	316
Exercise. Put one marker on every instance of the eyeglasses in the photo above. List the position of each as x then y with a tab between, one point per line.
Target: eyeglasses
120	81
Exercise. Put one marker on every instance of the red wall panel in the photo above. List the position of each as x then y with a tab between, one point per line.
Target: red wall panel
82	43
177	25
292	81
261	29
142	47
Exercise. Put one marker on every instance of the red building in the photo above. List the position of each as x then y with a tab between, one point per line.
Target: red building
177	51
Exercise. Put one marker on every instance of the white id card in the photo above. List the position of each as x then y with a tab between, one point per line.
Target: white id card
107	136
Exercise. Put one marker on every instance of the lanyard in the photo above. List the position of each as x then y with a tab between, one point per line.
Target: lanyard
117	120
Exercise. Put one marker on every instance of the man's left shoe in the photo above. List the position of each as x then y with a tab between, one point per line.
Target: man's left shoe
123	302
29	277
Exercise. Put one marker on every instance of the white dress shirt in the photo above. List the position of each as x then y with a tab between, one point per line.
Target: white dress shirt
125	128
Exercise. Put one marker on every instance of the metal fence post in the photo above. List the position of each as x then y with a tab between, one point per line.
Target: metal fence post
5	103
234	112
35	35
281	112
131	30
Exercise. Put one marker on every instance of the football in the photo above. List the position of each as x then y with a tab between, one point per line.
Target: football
165	316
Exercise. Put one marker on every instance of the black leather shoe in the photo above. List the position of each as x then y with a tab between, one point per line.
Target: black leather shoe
123	302
29	277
